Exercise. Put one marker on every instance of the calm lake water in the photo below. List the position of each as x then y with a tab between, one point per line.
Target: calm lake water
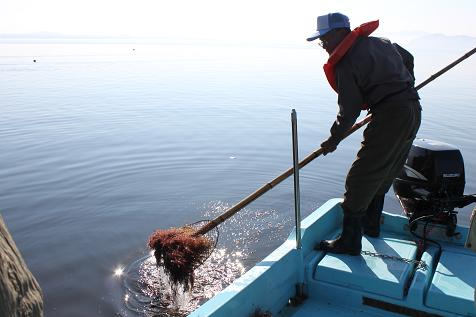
104	143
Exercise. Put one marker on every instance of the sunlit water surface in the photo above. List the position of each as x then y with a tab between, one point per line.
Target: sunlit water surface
148	291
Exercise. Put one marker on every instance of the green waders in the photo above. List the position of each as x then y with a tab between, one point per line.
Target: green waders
387	141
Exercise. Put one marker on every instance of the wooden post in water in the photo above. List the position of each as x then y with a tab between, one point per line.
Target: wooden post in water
20	294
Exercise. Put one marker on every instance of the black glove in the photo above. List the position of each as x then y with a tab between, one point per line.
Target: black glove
329	145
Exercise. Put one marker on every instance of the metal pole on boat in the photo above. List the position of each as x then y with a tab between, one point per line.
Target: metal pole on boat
297	199
299	297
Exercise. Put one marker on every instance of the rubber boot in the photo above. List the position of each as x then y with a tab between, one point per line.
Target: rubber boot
349	241
371	220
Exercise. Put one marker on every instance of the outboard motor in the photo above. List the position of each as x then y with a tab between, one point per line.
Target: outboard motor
431	184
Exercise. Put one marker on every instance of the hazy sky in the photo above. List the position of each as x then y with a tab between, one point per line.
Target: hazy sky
270	20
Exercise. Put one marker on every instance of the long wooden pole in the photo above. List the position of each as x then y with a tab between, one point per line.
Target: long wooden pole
266	187
447	68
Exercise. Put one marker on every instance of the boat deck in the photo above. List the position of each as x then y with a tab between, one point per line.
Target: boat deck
376	285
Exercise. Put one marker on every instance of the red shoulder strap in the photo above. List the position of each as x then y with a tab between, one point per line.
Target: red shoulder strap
363	30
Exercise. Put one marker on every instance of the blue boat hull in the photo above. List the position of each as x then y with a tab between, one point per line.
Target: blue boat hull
389	284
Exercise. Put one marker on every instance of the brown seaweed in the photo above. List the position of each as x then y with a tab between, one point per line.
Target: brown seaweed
179	251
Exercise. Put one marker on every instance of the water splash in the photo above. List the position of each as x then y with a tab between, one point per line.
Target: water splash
149	292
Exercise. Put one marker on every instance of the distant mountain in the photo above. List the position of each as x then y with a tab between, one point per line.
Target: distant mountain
404	37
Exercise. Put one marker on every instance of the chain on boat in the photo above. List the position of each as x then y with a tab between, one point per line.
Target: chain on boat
420	264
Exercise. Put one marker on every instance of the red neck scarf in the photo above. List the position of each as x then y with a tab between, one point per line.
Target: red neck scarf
364	30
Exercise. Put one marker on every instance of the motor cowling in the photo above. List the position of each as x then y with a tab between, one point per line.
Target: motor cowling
432	181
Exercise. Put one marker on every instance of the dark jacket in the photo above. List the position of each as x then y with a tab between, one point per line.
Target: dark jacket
373	72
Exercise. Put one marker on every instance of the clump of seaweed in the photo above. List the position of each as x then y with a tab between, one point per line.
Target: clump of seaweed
179	251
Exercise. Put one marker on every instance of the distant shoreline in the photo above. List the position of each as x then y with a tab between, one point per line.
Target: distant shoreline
411	40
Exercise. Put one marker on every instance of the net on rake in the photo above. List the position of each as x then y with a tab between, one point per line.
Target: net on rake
180	251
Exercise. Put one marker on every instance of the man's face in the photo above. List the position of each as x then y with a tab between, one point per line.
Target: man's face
330	40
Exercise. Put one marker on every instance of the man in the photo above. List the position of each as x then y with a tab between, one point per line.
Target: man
368	73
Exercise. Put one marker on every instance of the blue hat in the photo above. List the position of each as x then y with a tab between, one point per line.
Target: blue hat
329	22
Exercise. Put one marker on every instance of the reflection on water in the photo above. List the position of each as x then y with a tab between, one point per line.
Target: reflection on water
248	226
118	271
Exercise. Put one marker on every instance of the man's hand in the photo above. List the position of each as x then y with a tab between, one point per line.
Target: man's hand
329	146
